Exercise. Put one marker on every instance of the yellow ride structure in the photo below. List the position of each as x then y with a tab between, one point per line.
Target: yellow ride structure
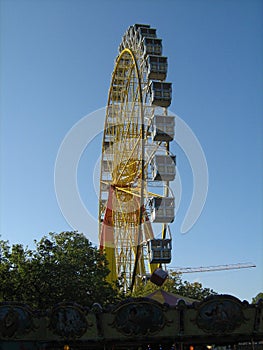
136	164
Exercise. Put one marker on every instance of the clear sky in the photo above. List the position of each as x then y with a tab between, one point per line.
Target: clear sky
56	63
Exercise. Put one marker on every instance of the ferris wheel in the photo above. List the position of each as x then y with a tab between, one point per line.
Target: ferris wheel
136	163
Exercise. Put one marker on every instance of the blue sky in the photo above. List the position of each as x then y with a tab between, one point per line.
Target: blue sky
56	63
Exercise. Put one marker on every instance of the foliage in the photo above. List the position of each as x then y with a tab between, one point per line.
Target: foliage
257	298
195	290
174	284
64	267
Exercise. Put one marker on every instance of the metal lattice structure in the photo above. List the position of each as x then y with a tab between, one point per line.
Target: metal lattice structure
237	266
136	164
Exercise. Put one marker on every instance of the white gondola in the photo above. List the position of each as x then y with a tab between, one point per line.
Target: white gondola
137	26
147	32
157	67
152	46
159	250
162	209
107	165
161	93
163	167
105	187
163	128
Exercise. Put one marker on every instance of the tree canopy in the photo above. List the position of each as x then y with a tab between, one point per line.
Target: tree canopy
257	298
175	284
64	267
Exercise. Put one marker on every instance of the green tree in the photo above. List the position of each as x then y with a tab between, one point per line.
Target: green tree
64	267
194	290
174	284
257	298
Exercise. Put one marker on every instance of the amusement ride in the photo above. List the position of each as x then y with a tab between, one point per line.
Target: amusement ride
136	163
136	202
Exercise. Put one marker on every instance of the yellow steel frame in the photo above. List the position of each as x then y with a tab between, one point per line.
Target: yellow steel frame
125	156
